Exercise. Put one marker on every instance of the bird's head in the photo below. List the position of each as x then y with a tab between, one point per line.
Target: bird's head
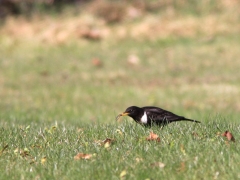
132	111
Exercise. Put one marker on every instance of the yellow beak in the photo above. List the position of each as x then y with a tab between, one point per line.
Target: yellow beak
123	114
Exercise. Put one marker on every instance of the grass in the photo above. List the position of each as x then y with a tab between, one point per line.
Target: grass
183	154
61	83
56	102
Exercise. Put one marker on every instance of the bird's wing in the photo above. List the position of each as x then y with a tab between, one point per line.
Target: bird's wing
157	114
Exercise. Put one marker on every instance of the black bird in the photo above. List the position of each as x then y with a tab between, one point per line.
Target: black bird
150	115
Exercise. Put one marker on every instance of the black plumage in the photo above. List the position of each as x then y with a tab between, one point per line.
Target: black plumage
150	115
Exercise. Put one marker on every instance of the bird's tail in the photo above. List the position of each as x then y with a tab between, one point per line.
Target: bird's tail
186	119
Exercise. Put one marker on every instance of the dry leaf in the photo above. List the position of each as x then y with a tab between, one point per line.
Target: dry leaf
82	156
158	164
229	136
195	134
119	132
108	140
139	160
182	149
153	137
92	34
182	167
123	174
96	62
133	59
216	175
107	145
43	160
25	152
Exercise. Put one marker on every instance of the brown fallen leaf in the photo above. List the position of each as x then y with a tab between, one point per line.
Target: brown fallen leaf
106	143
182	167
158	164
229	136
82	156
92	34
108	140
195	134
153	137
25	152
96	62
43	160
133	59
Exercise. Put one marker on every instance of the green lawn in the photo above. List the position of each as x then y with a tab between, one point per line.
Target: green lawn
55	103
186	151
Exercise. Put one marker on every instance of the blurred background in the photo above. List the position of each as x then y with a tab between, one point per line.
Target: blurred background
78	61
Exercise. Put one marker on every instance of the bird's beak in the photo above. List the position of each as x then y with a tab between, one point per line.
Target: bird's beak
123	114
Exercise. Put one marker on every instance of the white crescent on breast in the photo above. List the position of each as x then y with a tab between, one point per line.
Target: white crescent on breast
144	118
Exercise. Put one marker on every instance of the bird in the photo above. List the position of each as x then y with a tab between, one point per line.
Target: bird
150	115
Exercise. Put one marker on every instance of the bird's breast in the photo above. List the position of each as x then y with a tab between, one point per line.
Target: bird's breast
143	119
